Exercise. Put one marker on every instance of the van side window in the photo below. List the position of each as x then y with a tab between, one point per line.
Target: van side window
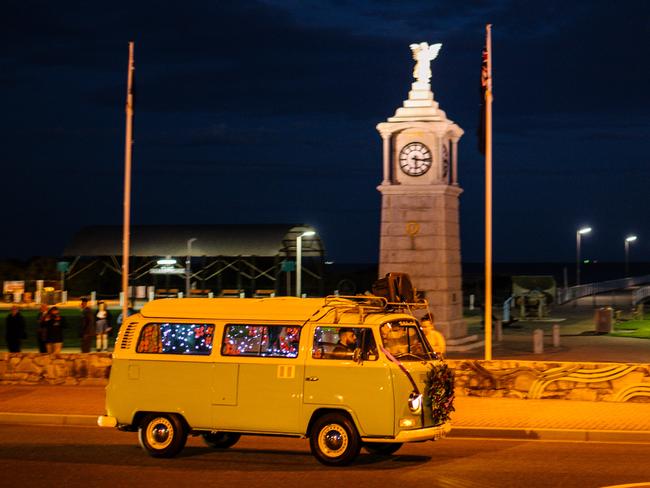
341	342
275	341
169	338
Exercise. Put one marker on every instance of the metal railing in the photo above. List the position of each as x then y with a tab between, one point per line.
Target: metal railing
565	295
640	293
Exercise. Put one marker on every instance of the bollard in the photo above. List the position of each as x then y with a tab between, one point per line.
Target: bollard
471	302
556	335
93	298
121	299
151	294
180	294
64	297
242	294
538	341
210	294
498	329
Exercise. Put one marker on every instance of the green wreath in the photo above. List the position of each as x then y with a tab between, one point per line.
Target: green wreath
439	393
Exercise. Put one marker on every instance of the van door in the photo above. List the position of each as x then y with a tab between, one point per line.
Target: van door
269	382
334	380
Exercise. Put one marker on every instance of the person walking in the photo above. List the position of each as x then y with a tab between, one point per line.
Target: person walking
15	329
54	325
102	327
41	331
87	331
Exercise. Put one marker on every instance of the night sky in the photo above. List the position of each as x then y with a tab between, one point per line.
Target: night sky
265	112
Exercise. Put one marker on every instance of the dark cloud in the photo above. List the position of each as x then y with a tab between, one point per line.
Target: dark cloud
265	111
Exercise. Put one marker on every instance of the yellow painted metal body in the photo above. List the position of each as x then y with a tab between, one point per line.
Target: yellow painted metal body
267	395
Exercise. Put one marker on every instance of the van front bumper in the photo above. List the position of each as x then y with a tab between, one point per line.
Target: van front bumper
106	421
417	435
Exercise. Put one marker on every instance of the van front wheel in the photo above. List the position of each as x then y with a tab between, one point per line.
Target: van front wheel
334	440
162	435
221	440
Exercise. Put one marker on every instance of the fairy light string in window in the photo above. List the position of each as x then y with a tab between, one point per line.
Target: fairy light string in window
186	338
261	340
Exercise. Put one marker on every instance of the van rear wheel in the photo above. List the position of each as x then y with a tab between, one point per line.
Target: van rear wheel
382	448
162	435
334	440
221	440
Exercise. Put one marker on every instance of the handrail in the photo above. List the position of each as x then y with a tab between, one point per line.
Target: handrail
567	294
640	293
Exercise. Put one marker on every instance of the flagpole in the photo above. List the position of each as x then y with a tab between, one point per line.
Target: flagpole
126	228
488	198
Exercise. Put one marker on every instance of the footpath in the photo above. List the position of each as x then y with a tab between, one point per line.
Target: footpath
474	417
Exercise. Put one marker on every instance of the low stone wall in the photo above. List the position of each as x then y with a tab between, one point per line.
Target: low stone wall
606	382
54	369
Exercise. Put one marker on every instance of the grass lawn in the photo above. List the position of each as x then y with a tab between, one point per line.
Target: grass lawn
632	328
70	333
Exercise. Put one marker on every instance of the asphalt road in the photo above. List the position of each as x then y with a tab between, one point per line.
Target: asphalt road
86	457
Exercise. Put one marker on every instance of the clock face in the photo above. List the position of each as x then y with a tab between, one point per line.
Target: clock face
415	159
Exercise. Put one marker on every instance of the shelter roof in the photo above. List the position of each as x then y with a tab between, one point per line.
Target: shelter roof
263	240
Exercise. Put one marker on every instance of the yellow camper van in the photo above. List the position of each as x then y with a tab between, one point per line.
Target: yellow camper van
345	373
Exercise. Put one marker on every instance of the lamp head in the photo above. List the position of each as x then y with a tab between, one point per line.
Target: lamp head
630	239
308	233
584	230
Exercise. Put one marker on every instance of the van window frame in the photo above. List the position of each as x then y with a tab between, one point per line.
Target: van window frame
163	353
286	325
361	339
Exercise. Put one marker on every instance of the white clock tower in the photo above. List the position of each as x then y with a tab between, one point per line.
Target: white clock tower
420	197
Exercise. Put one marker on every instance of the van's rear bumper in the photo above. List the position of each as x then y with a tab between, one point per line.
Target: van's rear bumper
106	421
416	435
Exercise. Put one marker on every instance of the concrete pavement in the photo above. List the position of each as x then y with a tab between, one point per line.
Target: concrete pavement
474	417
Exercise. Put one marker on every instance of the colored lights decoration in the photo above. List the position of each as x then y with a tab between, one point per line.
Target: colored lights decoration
439	393
261	340
168	338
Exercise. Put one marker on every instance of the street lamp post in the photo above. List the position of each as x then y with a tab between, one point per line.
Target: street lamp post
628	239
299	260
584	230
188	266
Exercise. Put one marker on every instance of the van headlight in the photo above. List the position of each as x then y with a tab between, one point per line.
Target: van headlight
415	402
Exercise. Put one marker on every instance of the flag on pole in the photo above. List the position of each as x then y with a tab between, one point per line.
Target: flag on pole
482	91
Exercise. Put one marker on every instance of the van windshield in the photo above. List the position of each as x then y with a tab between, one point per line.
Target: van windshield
404	340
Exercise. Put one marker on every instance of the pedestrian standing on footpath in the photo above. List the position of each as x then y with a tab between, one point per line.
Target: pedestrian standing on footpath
435	338
102	327
54	325
41	330
15	329
87	331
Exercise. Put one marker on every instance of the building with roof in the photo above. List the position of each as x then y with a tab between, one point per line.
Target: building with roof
225	260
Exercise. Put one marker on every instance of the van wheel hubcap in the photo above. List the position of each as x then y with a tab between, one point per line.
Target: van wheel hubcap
333	440
160	433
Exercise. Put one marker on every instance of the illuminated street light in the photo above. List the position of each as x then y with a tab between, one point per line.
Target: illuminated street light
166	262
308	233
628	239
584	230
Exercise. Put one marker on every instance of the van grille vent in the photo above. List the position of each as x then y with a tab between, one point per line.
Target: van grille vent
127	337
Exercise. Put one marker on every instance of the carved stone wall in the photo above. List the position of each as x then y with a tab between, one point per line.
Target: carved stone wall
607	382
54	369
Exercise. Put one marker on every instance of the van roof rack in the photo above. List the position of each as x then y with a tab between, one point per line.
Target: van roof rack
367	304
